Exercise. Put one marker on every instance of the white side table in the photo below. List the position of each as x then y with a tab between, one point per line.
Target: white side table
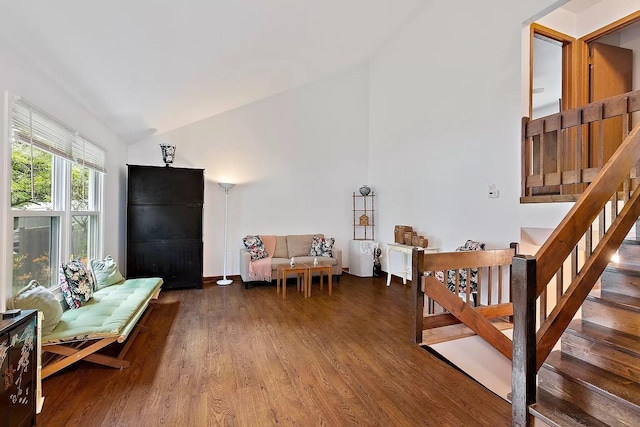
404	250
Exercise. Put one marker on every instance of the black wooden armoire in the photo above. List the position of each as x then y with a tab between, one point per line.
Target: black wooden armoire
164	224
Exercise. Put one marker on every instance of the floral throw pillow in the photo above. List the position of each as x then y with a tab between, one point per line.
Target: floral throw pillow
76	284
255	246
469	245
322	247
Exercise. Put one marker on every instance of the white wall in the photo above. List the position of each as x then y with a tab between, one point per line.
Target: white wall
19	76
296	157
589	20
445	124
630	39
561	20
604	13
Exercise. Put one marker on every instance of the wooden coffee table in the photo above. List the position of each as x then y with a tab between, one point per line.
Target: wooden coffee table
322	269
300	270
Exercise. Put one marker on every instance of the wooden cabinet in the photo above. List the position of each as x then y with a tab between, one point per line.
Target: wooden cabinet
18	360
164	224
364	217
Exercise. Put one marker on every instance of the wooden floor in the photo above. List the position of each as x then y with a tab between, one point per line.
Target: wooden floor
229	356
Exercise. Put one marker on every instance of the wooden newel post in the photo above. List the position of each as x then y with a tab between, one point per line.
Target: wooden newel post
417	295
523	372
516	250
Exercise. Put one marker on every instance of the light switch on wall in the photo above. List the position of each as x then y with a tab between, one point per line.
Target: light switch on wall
493	192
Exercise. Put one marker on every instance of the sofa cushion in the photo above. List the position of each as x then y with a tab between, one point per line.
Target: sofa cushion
255	246
322	247
35	296
76	283
281	247
300	244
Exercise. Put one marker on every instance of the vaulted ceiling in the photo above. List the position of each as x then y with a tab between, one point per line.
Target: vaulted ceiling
145	67
149	66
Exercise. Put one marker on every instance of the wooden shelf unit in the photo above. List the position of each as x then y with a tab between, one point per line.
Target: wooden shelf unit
364	205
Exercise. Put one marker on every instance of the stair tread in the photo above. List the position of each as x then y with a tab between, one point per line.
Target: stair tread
611	337
596	379
615	299
558	412
626	267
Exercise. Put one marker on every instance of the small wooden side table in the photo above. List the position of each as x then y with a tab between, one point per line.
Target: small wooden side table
322	269
301	271
405	251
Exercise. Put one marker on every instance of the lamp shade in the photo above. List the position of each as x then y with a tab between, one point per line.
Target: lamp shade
226	185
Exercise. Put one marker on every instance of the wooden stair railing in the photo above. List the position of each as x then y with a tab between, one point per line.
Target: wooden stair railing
556	163
580	248
493	293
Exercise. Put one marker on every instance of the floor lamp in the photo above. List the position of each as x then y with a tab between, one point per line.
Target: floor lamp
226	186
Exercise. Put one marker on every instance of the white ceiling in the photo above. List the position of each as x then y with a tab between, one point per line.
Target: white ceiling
577	6
145	66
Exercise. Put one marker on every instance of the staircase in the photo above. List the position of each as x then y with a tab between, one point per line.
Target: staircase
594	380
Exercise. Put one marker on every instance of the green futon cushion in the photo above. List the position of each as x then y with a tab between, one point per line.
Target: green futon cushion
110	313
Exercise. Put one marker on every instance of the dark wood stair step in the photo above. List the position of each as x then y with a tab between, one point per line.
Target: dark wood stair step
607	336
622	279
616	299
604	347
613	310
557	412
629	251
609	397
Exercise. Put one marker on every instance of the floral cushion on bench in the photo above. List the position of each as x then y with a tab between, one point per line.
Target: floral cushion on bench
76	284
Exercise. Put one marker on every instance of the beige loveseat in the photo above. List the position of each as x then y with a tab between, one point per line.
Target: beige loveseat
297	246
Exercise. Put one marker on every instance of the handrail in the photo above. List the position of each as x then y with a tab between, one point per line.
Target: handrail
565	237
562	314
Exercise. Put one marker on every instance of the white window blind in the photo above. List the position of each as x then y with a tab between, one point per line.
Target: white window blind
36	127
88	154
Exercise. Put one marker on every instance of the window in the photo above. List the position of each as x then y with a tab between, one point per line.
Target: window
56	195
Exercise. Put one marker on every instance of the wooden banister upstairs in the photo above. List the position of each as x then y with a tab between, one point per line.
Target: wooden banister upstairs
557	162
576	253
